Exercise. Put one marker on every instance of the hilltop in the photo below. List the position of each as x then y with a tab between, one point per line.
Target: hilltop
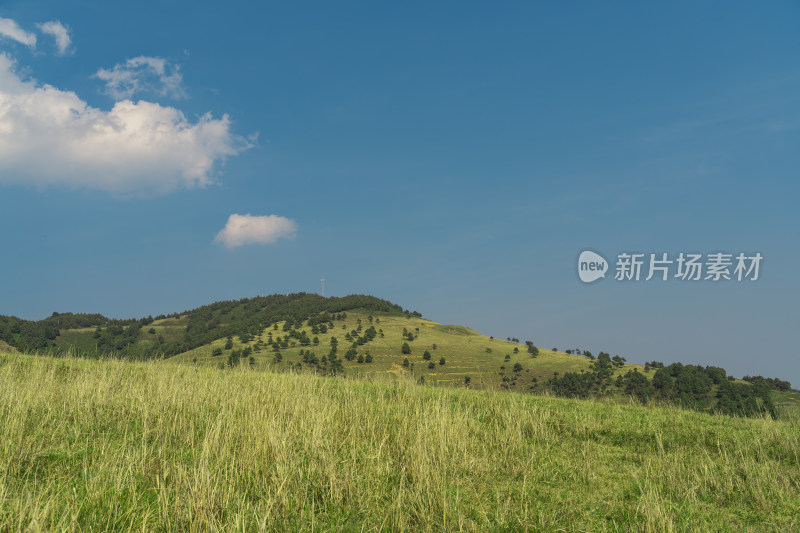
164	335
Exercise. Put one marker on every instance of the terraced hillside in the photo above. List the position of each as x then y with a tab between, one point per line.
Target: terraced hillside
466	353
253	325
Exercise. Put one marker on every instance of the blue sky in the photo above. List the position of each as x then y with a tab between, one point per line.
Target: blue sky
453	158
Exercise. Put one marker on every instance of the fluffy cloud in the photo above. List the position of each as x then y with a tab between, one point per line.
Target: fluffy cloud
49	136
150	75
11	30
247	229
59	32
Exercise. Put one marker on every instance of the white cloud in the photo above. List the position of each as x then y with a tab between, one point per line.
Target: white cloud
150	75
247	229
11	30
59	32
52	137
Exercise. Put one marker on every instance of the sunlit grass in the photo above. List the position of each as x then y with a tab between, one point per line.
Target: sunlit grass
109	445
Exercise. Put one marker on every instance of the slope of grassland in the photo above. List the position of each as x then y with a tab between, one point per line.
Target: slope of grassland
787	402
466	353
110	445
4	347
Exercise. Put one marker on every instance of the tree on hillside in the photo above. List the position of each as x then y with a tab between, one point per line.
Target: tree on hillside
336	366
602	367
638	386
405	349
769	383
426	355
350	354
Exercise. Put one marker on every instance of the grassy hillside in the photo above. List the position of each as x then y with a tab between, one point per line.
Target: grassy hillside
149	338
4	347
370	336
788	402
466	352
110	445
456	355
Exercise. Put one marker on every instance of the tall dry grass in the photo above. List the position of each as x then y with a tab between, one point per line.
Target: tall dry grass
109	445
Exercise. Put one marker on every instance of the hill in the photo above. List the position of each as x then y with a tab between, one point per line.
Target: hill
466	353
164	335
362	335
113	445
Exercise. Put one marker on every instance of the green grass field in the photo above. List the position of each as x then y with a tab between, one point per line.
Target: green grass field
122	446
